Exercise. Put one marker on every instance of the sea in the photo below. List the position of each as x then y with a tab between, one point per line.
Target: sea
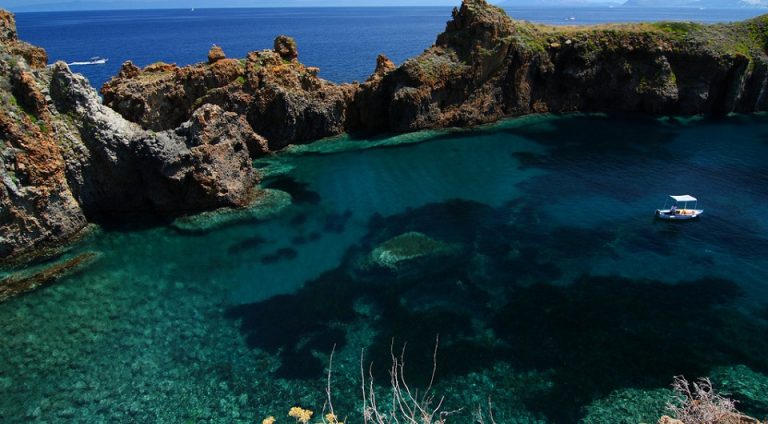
517	267
342	42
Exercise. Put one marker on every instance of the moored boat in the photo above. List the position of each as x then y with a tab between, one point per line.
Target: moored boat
677	213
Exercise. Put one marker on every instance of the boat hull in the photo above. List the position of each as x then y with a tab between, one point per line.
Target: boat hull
679	215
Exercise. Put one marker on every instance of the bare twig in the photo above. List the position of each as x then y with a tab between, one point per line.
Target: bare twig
408	406
328	386
698	403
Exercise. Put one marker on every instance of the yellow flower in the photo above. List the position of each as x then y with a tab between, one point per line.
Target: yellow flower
268	420
332	419
302	415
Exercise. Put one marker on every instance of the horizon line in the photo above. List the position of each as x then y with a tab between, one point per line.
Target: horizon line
544	6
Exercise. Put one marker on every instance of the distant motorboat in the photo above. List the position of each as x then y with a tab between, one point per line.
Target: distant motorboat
94	61
570	18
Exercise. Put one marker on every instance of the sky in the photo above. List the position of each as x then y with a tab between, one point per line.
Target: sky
38	5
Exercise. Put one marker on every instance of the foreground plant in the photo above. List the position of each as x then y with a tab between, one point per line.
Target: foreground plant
698	403
406	405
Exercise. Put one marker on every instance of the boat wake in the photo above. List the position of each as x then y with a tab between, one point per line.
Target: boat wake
93	61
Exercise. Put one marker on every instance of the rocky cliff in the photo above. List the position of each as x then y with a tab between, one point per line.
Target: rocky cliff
65	158
170	139
484	67
280	98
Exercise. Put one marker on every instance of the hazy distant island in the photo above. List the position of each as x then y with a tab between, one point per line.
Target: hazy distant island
173	140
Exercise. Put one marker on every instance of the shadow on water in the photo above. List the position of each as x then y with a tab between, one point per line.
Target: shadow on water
299	191
492	302
601	334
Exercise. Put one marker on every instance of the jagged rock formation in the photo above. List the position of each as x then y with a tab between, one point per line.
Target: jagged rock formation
36	204
65	157
175	139
484	67
280	98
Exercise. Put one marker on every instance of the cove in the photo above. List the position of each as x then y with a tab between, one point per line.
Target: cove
531	250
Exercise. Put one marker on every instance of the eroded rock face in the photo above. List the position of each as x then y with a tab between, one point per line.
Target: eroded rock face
7	26
487	66
36	204
280	98
65	157
484	67
203	164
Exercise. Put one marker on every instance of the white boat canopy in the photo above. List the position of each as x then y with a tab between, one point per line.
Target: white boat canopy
684	198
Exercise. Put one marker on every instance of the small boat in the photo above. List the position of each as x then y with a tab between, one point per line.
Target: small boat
675	213
94	61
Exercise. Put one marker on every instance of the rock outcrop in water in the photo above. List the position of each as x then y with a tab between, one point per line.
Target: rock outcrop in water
174	139
65	157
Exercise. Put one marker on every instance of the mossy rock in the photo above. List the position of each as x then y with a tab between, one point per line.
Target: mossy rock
405	256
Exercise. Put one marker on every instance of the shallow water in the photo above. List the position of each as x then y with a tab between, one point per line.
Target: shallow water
553	290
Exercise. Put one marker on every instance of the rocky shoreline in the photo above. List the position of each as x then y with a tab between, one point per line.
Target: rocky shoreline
169	140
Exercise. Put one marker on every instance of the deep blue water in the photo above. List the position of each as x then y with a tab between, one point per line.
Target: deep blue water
343	42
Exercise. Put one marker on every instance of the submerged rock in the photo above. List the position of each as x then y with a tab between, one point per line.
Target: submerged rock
406	247
267	204
24	282
404	255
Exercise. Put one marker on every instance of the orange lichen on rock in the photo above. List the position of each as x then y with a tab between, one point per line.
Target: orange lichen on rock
216	54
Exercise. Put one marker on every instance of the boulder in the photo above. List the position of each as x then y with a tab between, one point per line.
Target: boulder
383	65
405	256
128	70
7	26
216	54
286	47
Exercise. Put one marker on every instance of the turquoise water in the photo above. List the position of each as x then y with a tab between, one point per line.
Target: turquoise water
553	290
